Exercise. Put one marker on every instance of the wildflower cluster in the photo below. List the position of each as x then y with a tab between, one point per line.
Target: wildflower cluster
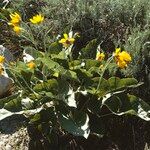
122	58
63	89
15	22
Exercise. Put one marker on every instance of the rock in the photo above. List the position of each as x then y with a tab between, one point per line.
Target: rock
5	84
6	53
5	81
8	147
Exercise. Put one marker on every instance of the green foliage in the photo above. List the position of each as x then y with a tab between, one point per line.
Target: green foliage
60	92
57	89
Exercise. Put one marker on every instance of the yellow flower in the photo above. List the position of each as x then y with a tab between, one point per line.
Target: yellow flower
126	56
17	29
31	65
1	70
2	59
100	56
15	19
117	51
37	19
122	58
66	41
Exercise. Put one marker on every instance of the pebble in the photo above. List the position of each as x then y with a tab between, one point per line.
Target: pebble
8	147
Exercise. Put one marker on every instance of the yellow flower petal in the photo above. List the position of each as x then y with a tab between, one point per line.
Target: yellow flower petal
62	41
118	50
65	36
31	65
2	59
122	64
100	56
122	58
17	29
15	19
125	56
37	19
71	40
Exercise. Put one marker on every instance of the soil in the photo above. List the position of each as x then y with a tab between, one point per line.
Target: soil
13	133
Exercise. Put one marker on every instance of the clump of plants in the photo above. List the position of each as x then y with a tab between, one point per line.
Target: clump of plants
60	93
76	65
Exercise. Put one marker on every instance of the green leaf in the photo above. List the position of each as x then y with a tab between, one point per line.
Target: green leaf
55	48
77	125
13	105
5	100
49	63
70	75
94	105
49	86
122	103
33	52
97	125
90	50
117	83
5	113
103	86
84	77
70	98
75	64
26	75
61	55
89	63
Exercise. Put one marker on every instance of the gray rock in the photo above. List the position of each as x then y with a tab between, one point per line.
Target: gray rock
5	84
6	53
5	81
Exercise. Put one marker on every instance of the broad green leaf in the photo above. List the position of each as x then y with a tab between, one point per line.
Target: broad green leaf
5	113
33	52
103	87
70	75
78	126
61	55
55	48
94	105
62	62
49	86
117	83
89	63
75	64
49	63
97	125
70	98
122	103
26	75
84	77
5	100
13	105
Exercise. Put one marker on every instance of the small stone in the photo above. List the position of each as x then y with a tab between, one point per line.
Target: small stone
1	144
8	147
5	84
